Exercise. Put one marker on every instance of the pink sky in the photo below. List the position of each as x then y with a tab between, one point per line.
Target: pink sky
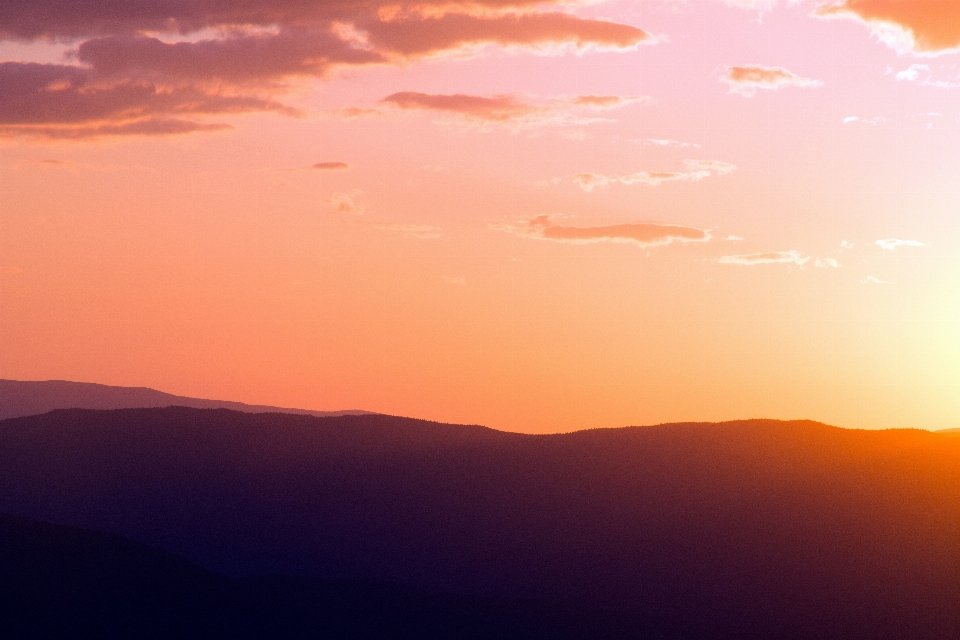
538	217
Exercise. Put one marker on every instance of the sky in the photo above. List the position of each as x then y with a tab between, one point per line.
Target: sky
535	216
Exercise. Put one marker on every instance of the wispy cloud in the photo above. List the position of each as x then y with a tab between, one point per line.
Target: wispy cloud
348	202
515	111
418	231
912	73
856	119
771	257
713	166
696	170
893	244
658	142
746	80
873	280
496	108
606	102
330	166
641	233
759	5
925	76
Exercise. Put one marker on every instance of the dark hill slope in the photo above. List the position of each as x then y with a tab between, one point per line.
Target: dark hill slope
753	529
64	582
27	398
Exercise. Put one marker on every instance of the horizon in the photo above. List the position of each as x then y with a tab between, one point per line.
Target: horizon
540	217
68	405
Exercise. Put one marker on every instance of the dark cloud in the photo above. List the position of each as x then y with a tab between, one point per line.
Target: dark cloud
330	166
34	19
452	31
127	75
240	59
47	98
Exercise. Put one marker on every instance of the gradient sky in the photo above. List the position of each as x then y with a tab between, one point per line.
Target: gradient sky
538	217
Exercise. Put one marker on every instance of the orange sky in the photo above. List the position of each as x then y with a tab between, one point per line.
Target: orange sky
535	216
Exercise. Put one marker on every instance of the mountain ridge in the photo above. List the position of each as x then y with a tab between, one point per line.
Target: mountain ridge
19	398
746	529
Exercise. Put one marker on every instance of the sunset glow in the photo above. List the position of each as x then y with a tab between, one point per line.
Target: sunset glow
534	216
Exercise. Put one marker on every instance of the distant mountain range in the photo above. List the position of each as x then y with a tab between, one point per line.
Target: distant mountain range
750	529
26	398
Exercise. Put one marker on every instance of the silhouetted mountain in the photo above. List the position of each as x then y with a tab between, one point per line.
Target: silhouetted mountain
28	398
754	529
64	582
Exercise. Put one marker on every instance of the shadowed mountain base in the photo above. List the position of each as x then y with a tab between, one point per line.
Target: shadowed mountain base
63	582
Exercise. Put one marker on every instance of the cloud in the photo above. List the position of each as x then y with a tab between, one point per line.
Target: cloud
251	53
144	127
918	26
656	142
510	109
696	170
714	166
350	113
605	102
873	280
760	5
419	231
844	244
348	202
65	101
826	263
49	162
912	72
454	31
641	233
893	243
238	59
656	178
29	20
873	121
773	257
497	108
924	76
591	181
331	166
746	80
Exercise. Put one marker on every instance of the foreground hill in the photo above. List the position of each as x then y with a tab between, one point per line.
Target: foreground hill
754	529
27	398
64	582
